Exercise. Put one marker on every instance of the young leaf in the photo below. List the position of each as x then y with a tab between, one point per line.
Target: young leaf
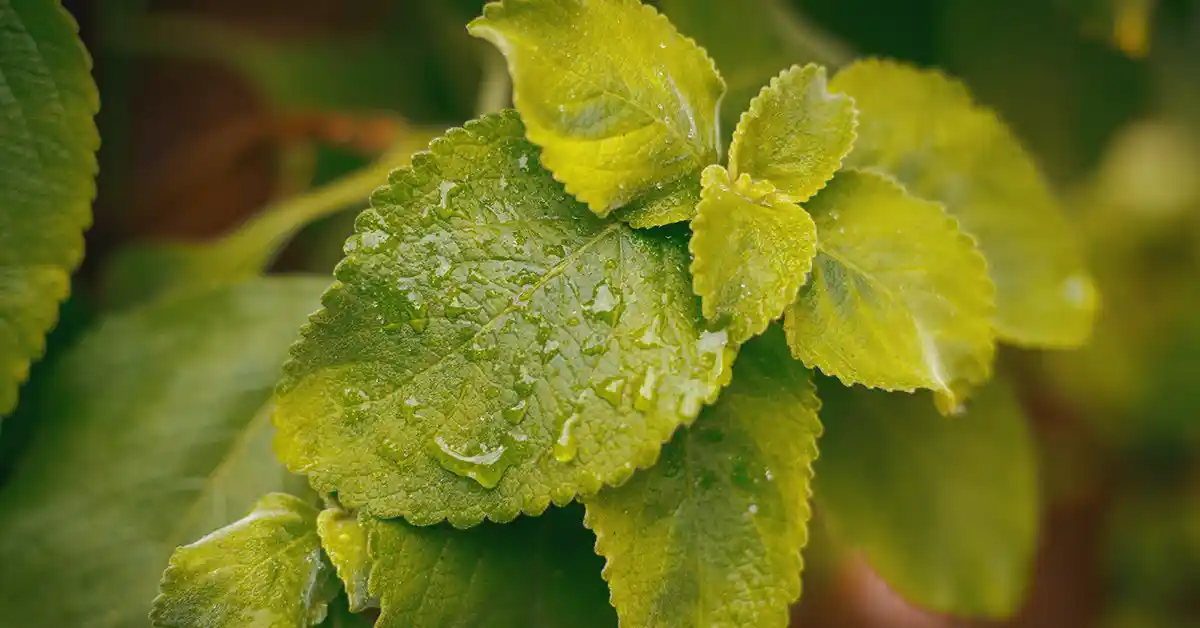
711	535
795	134
780	38
345	541
923	128
619	101
491	345
944	509
264	570
151	434
664	205
751	252
899	298
535	571
48	144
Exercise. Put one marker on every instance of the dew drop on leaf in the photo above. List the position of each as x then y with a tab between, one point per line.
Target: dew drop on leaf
605	306
611	390
516	413
647	393
486	467
566	445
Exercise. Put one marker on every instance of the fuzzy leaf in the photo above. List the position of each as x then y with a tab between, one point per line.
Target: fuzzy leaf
48	143
923	128
668	204
944	509
536	572
751	252
264	570
617	98
345	541
491	345
899	298
795	134
151	433
711	535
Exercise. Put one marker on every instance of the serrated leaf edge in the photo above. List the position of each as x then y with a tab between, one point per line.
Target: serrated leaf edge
794	584
703	284
947	401
759	102
586	484
18	369
496	10
934	79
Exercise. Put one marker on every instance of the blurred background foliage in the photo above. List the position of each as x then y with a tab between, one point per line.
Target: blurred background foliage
216	109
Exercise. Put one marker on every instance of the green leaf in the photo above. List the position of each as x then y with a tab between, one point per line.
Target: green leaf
345	541
665	205
751	252
711	536
152	432
536	572
617	98
264	570
795	134
923	128
899	298
491	345
780	37
944	509
48	143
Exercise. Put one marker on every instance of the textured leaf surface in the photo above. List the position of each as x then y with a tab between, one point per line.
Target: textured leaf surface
795	133
619	100
491	345
345	541
751	252
152	434
923	128
48	142
663	205
711	535
536	572
751	41
899	298
945	509
264	570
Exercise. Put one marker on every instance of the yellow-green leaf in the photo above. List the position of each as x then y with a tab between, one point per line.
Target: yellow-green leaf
711	536
536	572
345	542
794	134
751	252
899	298
617	98
943	508
924	129
490	345
48	143
262	571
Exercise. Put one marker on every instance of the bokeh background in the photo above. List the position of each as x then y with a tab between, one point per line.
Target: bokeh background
215	109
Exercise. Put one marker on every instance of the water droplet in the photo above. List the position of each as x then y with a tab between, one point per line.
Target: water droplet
604	306
566	445
480	350
516	413
611	390
525	277
371	240
419	325
554	250
753	509
492	392
595	345
769	476
573	321
525	382
503	182
1077	290
715	354
444	188
523	162
486	468
456	308
550	349
649	337
647	393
